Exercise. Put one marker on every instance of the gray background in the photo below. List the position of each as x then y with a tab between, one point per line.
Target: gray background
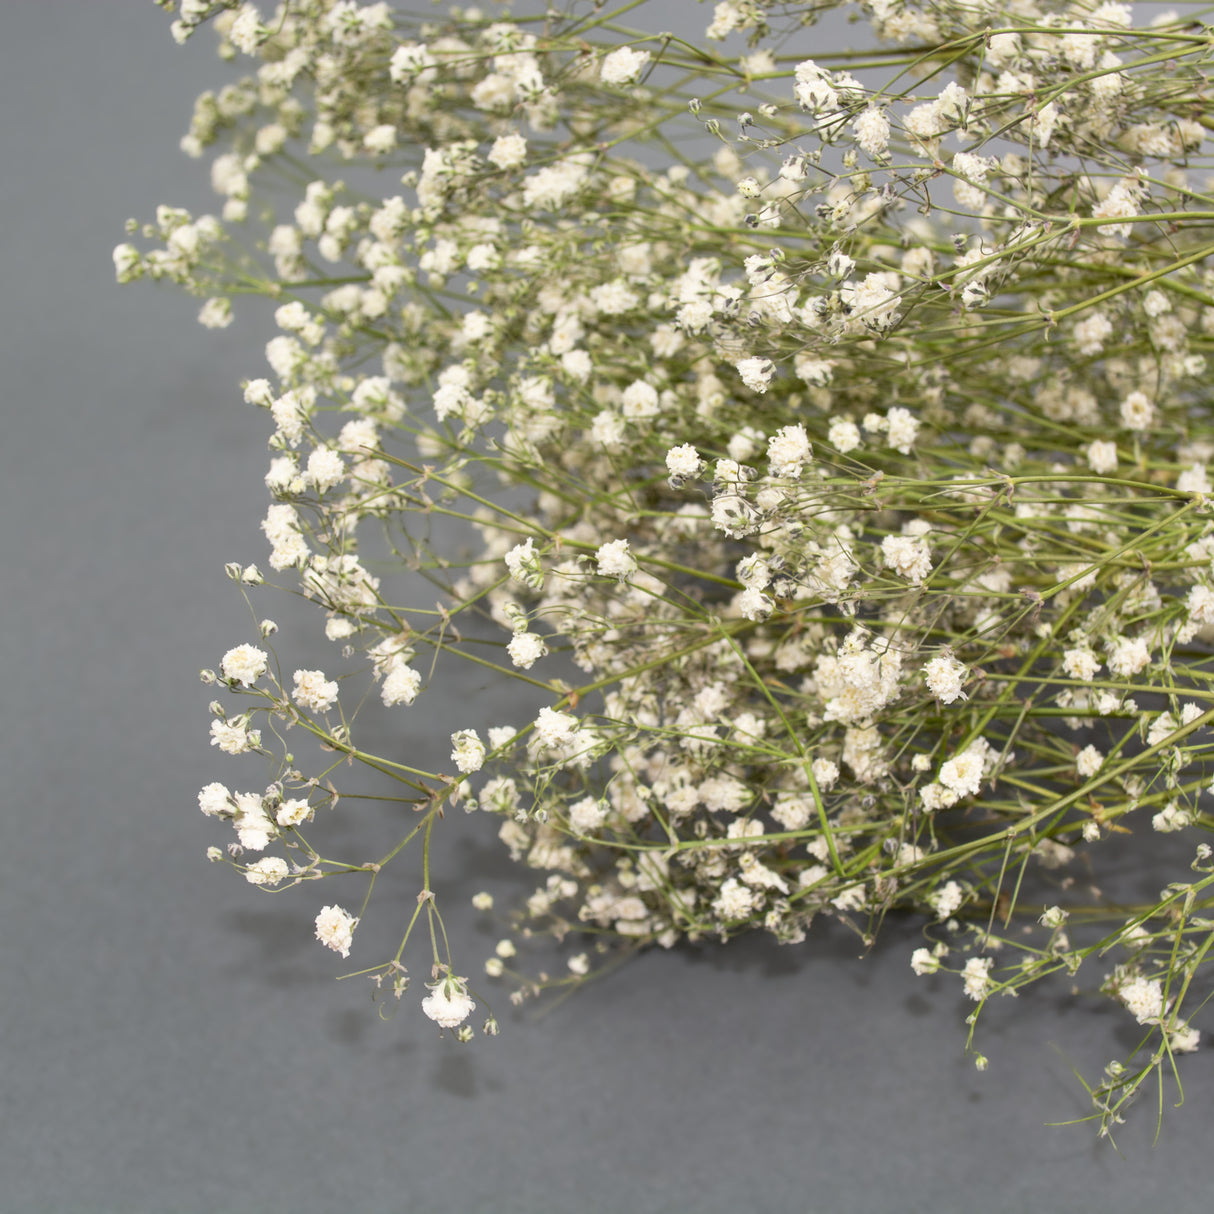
172	1039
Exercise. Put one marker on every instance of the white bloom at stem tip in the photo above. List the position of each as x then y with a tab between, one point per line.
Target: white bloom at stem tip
945	678
525	649
623	66
244	665
907	555
467	751
756	373
902	427
1088	761
523	562
448	1004
1171	819
214	800
552	728
788	450
246	31
1144	999
325	469
1137	411
313	690
872	132
946	899
508	151
335	929
216	313
401	684
977	977
684	461
271	870
234	737
844	435
292	813
1081	663
1102	457
615	560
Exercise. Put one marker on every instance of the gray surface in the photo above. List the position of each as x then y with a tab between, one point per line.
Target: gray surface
172	1039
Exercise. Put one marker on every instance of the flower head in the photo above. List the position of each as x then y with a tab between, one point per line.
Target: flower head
448	1004
335	929
245	664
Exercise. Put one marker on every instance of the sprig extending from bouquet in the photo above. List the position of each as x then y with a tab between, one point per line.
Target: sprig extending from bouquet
826	438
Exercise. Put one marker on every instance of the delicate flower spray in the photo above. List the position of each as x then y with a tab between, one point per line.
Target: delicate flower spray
863	421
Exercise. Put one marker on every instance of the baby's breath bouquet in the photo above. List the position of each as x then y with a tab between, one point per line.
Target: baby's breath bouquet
819	437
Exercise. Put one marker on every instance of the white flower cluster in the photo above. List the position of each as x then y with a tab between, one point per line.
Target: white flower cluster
820	567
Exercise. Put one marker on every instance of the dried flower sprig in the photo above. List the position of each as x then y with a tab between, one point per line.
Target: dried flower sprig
830	437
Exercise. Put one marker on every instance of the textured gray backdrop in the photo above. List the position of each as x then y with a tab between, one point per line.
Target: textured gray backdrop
172	1039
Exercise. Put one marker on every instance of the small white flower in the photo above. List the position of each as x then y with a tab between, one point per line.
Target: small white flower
945	900
335	929
684	461
1102	457
468	751
623	66
976	976
553	728
326	468
246	31
523	562
756	373
844	435
215	800
508	151
945	678
902	428
1195	479
271	870
292	813
245	664
1144	999
448	1004
826	773
872	132
1129	656
234	737
401	684
216	314
525	649
380	139
908	556
1081	663
1137	411
1171	819
313	690
615	560
788	450
1088	761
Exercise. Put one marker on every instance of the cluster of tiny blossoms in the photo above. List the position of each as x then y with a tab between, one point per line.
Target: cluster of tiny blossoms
861	422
